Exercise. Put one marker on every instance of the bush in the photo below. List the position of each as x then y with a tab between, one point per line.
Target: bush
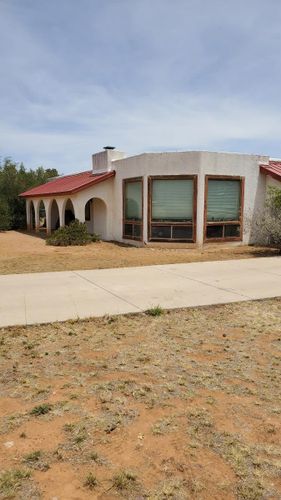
267	223
74	234
5	216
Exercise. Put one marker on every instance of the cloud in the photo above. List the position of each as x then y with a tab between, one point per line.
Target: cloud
137	74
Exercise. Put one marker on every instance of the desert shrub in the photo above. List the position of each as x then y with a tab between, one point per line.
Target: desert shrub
267	223
74	234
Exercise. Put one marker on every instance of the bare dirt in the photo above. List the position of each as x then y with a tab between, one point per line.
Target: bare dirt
26	253
183	405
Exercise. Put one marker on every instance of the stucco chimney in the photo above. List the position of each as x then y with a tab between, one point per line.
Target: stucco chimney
104	160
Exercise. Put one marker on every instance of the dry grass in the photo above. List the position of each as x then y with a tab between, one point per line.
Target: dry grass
25	253
185	404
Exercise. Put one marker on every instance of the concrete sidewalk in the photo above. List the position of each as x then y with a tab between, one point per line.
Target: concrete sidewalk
46	297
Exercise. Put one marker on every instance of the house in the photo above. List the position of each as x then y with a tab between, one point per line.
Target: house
170	198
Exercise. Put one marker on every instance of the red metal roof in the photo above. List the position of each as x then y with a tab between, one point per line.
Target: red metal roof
273	169
68	184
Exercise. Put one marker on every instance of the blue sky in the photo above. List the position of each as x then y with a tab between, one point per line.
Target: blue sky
142	75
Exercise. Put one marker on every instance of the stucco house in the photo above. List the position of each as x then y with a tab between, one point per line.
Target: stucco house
167	198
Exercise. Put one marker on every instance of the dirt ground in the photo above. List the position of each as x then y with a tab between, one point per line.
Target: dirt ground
186	404
25	253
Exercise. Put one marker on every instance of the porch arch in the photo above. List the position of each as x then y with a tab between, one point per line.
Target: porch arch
96	217
68	212
54	216
42	215
32	216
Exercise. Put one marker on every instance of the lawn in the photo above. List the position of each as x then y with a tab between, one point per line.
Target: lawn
184	404
25	253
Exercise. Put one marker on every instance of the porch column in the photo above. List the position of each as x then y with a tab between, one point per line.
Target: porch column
61	202
36	204
28	215
79	210
48	210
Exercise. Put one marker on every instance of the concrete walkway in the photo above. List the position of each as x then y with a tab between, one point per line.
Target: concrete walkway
46	297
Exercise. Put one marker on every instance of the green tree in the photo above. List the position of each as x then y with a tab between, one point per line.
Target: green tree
15	179
267	223
5	216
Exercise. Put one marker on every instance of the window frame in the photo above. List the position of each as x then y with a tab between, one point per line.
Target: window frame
239	222
127	221
151	223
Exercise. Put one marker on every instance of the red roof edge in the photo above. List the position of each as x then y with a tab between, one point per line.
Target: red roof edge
273	169
96	180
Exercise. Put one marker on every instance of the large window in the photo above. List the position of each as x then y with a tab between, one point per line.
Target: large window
172	208
224	208
132	209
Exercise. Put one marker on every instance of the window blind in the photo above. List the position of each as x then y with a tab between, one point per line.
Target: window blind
223	200
133	200
172	199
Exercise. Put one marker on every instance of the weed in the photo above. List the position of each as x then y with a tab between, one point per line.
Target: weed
90	481
123	480
41	409
155	311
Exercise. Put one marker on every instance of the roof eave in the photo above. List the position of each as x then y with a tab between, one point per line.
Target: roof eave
264	170
106	176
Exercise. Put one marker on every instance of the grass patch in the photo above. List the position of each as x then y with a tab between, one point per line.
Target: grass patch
91	481
11	481
155	311
41	409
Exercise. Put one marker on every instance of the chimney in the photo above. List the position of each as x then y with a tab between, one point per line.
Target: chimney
102	161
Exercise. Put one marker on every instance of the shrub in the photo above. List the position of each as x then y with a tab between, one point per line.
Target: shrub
41	409
267	223
74	234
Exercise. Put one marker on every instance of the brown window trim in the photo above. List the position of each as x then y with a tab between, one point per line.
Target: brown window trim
124	220
239	222
172	223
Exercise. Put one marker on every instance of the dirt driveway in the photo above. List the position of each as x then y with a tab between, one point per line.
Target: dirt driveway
24	253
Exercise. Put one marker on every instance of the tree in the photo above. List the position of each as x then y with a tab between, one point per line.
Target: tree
5	216
267	223
15	179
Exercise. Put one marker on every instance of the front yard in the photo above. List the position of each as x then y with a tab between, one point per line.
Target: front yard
24	253
182	405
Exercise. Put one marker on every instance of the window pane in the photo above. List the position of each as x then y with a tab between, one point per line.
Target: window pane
163	232
223	200
133	200
172	199
180	232
231	231
137	230
214	231
128	230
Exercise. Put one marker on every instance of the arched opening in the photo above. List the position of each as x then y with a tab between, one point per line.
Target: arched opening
55	217
32	216
69	213
42	216
96	217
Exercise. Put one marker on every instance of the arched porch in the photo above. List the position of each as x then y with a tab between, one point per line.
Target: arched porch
96	217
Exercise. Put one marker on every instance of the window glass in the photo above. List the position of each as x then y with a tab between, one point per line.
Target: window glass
214	231
223	200
133	200
172	199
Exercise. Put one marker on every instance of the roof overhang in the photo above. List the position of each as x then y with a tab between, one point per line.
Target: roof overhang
273	169
91	181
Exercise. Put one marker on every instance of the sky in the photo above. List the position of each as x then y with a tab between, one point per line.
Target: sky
141	75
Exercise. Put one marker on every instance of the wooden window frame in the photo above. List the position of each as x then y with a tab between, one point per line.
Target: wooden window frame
239	222
127	221
192	224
